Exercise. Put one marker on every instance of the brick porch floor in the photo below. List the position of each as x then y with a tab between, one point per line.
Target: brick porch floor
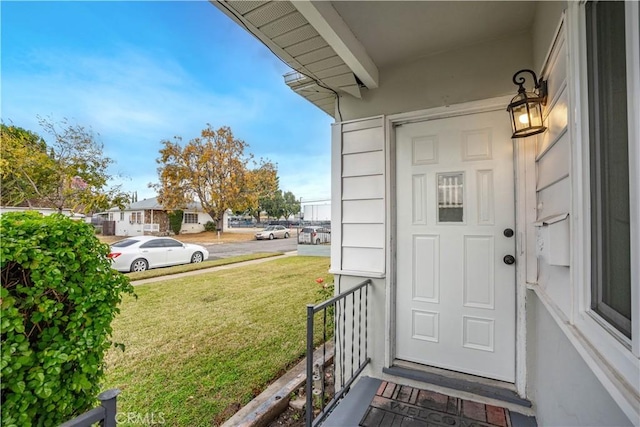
376	403
397	405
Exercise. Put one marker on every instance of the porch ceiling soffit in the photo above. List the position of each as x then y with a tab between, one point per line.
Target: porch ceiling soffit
320	70
330	25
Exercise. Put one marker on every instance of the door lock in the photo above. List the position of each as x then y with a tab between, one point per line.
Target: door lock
509	259
508	232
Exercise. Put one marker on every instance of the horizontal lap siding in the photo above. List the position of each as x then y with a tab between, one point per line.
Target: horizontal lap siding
362	188
362	213
363	235
362	141
555	199
556	121
363	260
555	165
553	173
363	164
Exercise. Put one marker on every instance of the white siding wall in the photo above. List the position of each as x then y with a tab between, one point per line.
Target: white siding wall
358	232
128	226
358	169
553	180
563	377
544	29
197	227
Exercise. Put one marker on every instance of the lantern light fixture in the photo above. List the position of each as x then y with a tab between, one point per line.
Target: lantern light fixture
526	107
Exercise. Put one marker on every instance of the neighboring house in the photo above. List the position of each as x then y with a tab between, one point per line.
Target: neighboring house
434	201
149	217
43	211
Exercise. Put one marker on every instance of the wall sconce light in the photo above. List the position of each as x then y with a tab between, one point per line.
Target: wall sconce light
526	107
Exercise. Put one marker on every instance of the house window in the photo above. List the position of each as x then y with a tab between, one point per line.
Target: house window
121	216
609	164
136	218
190	218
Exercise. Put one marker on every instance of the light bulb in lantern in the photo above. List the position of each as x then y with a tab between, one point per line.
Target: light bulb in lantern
524	119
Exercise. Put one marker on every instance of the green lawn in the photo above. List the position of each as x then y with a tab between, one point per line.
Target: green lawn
201	347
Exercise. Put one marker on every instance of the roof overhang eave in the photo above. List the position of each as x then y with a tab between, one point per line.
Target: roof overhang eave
329	72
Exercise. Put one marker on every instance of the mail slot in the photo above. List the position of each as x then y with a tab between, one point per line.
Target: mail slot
553	239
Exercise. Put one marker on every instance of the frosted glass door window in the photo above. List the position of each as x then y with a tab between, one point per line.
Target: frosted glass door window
451	197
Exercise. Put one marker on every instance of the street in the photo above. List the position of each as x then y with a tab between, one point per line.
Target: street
218	251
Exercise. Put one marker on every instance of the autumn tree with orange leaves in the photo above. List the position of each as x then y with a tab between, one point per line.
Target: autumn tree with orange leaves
263	184
214	170
69	172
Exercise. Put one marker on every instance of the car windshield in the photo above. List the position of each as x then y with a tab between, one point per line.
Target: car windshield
124	243
270	228
307	230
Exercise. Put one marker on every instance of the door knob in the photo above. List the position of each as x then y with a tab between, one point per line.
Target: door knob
508	232
509	259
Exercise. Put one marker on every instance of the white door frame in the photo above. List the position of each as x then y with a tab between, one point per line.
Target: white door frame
492	104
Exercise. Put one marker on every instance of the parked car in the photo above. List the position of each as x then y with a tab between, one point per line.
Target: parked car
314	235
140	253
273	232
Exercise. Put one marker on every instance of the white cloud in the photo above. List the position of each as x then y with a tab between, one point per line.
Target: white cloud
134	99
131	95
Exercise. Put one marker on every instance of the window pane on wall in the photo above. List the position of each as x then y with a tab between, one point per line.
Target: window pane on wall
609	152
190	218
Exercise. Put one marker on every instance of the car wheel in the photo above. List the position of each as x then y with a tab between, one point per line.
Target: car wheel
286	235
140	264
270	236
197	257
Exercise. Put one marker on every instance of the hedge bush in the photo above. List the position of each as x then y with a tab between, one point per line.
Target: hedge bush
210	226
59	296
175	221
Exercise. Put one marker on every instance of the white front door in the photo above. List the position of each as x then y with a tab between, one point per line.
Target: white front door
455	219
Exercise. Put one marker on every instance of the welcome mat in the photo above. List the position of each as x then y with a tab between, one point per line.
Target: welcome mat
397	405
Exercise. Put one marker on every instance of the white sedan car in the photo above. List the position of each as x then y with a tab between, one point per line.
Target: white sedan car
140	253
273	232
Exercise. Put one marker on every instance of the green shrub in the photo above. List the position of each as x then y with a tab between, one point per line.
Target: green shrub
59	296
175	221
210	226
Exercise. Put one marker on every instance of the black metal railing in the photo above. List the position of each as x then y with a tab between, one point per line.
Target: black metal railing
344	321
105	414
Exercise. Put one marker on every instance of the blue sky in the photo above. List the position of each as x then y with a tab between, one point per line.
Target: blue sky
141	72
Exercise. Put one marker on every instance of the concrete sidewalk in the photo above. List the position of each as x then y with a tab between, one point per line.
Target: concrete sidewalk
212	269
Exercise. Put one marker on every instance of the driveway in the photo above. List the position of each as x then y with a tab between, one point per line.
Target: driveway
226	250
